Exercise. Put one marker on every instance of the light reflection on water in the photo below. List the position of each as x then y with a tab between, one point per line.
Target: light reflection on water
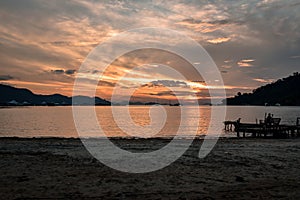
58	121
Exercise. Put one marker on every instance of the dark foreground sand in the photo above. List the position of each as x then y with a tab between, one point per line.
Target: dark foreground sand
236	169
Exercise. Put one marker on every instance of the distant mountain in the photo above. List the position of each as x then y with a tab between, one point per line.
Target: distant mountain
17	96
284	92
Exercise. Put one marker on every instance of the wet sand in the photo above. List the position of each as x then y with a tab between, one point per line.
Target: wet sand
235	169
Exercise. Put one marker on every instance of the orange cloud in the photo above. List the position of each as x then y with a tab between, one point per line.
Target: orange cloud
246	63
263	80
218	40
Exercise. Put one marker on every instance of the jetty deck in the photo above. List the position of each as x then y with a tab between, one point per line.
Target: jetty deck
263	129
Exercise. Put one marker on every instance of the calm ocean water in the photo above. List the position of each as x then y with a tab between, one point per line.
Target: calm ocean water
58	121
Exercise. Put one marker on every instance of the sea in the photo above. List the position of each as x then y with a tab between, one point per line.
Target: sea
141	121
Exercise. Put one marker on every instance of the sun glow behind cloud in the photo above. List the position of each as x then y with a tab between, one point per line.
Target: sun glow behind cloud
43	42
218	40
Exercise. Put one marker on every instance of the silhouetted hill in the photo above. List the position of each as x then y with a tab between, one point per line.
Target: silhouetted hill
17	96
285	92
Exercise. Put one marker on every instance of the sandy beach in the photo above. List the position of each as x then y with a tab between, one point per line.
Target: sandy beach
53	168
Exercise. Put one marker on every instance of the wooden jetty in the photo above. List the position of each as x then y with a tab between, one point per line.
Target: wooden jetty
264	129
231	125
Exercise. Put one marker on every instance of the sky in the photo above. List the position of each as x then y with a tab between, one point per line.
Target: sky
43	43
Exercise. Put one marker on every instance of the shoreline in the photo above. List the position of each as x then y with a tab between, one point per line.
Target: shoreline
200	138
61	168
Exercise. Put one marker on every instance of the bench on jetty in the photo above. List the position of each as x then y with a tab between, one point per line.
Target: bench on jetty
262	129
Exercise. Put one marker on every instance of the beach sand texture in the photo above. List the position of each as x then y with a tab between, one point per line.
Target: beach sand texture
236	169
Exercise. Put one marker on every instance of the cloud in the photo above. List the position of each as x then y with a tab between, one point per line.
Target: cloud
39	34
201	22
202	26
242	64
246	63
295	57
6	77
58	71
172	93
264	80
226	66
70	71
169	83
218	40
106	83
164	93
62	71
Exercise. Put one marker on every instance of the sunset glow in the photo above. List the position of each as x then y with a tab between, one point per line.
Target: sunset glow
44	50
